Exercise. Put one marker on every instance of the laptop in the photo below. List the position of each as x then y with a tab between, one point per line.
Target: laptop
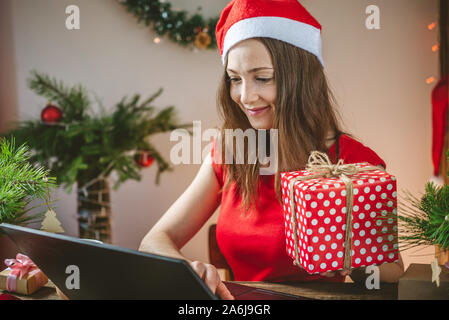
83	269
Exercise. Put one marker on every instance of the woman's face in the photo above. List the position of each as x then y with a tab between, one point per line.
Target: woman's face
253	85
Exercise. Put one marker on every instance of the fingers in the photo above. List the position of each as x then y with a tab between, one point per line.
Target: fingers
209	274
223	292
345	272
330	274
211	277
199	268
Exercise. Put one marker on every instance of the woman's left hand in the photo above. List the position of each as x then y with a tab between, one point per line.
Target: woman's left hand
389	272
331	274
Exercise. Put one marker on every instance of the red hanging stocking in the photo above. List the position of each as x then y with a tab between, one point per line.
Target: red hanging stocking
439	121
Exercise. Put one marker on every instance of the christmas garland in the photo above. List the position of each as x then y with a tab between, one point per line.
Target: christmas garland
178	26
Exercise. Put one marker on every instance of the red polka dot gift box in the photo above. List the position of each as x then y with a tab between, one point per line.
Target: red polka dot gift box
319	204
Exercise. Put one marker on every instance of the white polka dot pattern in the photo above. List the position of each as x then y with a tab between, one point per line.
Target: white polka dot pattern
321	220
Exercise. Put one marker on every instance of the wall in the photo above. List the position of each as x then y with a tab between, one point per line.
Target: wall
8	87
378	77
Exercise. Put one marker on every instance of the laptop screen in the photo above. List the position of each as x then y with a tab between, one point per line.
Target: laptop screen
87	270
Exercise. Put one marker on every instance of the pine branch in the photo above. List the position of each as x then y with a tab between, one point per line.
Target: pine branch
83	145
20	183
426	220
73	101
151	98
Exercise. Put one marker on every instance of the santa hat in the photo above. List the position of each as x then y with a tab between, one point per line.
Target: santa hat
285	20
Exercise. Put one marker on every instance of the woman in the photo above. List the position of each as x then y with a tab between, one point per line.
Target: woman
273	79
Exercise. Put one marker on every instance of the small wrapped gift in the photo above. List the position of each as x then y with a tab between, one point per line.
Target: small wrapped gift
22	276
339	216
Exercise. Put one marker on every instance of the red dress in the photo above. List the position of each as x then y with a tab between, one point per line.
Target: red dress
254	245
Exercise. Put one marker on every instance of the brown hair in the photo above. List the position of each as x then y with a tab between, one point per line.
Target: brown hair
304	112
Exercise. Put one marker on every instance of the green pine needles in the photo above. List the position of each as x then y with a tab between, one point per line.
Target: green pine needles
83	146
21	183
425	221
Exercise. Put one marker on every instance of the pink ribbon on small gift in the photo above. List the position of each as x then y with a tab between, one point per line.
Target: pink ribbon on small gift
21	267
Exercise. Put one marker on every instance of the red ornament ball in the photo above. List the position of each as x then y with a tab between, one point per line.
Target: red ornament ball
143	159
51	114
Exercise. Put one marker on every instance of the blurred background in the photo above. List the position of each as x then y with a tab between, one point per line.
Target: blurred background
382	80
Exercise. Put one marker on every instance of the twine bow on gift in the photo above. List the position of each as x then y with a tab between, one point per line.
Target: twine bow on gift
20	267
319	162
322	167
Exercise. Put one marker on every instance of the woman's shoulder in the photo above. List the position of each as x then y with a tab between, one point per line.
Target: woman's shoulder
217	164
354	151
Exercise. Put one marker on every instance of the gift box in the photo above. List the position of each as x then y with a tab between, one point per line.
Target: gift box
22	276
339	216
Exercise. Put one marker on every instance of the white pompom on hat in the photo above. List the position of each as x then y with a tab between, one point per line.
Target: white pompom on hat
285	20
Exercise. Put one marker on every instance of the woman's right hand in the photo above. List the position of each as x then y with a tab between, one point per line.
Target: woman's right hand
210	276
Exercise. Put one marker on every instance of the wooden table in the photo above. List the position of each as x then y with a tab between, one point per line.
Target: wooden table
316	290
47	292
331	291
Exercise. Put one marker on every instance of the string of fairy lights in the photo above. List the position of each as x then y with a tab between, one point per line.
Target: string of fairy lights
432	27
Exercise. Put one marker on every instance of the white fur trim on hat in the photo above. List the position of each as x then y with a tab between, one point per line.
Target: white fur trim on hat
297	33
